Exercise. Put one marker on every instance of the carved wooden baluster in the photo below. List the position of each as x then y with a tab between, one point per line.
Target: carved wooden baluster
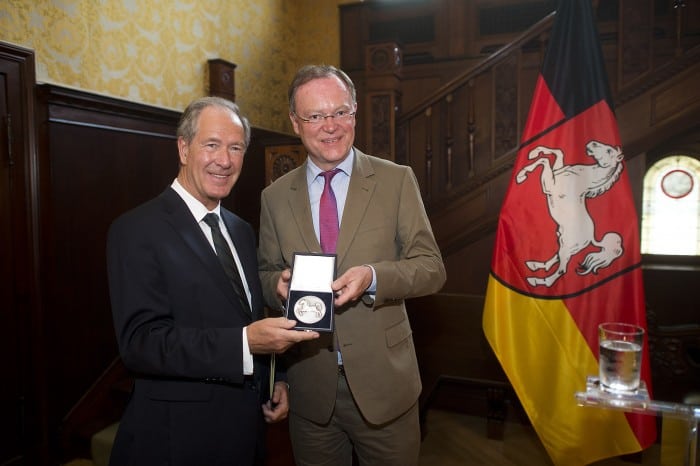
449	141
471	125
428	153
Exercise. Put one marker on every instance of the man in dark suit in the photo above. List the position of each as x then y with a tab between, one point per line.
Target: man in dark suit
358	387
188	311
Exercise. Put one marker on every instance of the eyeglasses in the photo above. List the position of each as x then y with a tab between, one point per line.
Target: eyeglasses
316	119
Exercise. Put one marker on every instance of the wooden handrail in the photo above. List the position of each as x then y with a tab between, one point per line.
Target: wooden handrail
465	134
542	26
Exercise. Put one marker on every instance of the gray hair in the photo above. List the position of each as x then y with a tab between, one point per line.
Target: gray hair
187	128
311	72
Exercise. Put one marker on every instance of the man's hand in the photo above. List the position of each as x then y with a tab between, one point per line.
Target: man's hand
283	285
274	335
352	284
276	409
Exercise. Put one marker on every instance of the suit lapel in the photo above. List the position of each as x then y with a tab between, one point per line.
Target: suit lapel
184	223
300	206
360	191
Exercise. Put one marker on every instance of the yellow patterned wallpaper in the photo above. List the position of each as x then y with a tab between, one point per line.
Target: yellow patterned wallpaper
155	51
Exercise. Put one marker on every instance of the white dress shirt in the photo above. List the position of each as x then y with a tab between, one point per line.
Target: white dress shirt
199	211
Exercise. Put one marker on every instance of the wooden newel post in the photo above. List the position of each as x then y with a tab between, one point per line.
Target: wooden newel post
383	63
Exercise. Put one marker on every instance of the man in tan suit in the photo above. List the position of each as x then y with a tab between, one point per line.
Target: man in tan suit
356	388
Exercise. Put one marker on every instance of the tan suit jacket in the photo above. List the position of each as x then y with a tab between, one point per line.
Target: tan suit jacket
384	225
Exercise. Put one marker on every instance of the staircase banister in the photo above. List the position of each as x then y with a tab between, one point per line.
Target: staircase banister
666	71
536	29
101	405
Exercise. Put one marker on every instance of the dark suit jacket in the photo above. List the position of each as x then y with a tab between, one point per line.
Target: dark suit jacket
179	329
384	225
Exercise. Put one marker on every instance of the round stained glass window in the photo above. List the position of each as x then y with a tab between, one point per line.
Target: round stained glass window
677	183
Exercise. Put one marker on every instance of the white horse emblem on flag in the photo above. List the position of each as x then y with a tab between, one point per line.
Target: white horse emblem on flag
566	188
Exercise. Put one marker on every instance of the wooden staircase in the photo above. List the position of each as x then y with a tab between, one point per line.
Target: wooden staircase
100	407
462	139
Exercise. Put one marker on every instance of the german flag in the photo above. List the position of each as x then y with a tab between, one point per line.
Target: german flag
567	253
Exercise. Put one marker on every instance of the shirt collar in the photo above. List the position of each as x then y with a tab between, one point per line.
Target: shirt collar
197	208
312	170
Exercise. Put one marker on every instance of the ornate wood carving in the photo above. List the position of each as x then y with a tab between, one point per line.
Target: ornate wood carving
383	63
381	136
505	131
282	159
383	58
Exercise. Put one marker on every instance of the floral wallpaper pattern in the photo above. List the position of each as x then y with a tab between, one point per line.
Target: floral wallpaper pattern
155	51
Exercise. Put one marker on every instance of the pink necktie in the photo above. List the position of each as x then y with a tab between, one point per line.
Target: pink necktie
328	214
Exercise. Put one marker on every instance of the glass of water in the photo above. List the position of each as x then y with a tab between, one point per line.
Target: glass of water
620	356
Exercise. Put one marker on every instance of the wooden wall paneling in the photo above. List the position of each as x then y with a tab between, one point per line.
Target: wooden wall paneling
636	36
666	101
450	343
472	260
420	29
416	87
353	34
459	31
655	114
456	220
98	158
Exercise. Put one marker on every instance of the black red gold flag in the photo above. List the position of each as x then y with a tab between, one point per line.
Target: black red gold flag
567	255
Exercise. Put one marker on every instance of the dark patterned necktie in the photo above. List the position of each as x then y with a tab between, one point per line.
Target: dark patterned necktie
225	256
328	214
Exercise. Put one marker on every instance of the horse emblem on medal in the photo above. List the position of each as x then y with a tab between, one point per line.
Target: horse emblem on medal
309	309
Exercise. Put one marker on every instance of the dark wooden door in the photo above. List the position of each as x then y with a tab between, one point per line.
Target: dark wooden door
11	356
17	396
